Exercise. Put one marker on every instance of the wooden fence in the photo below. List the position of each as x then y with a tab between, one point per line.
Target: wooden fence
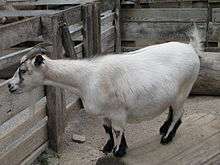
26	118
155	21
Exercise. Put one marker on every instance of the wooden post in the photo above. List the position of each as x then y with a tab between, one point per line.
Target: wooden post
67	42
208	82
87	19
55	96
96	28
117	26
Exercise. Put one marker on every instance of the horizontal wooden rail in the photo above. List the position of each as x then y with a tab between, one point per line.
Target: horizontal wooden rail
72	15
51	2
145	33
164	15
12	58
26	13
18	32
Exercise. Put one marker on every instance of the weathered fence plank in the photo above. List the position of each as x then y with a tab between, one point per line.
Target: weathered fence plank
96	28
24	146
72	15
18	32
79	50
76	31
30	159
107	32
52	3
108	40
117	26
18	125
164	15
145	33
107	18
12	58
26	13
87	29
67	42
55	96
165	3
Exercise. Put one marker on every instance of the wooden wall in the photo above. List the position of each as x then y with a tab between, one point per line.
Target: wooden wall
155	21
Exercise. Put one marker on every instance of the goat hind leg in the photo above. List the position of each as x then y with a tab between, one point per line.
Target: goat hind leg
171	132
164	128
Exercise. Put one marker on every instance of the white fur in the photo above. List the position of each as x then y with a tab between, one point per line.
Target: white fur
131	87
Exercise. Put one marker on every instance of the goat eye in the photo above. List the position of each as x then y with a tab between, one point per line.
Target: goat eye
23	71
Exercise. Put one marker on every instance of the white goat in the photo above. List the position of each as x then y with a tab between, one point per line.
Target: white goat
126	88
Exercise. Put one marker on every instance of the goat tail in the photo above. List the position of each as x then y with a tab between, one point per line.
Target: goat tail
196	40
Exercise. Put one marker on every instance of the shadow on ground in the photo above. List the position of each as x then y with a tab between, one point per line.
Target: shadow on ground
110	160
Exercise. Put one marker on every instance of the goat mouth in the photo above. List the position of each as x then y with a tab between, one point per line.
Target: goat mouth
15	91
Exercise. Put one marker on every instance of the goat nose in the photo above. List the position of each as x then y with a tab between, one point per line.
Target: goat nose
9	85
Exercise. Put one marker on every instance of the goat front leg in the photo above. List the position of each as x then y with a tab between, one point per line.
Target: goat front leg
110	143
120	148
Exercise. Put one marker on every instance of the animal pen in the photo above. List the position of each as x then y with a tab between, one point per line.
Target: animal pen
31	122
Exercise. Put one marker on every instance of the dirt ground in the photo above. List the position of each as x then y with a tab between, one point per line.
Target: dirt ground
89	153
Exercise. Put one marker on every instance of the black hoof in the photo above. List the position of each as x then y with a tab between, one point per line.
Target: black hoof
167	140
108	146
120	152
171	134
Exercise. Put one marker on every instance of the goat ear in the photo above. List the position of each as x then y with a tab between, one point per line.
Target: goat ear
38	60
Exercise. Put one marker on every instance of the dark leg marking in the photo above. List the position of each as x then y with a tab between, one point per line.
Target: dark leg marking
122	148
164	128
110	143
171	134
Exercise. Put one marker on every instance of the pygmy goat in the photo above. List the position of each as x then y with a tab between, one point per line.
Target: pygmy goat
126	88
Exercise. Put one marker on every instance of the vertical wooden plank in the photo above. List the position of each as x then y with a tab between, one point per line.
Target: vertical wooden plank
117	27
96	28
55	96
87	18
208	21
67	42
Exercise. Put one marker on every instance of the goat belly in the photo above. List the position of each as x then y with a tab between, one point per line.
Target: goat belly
145	114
